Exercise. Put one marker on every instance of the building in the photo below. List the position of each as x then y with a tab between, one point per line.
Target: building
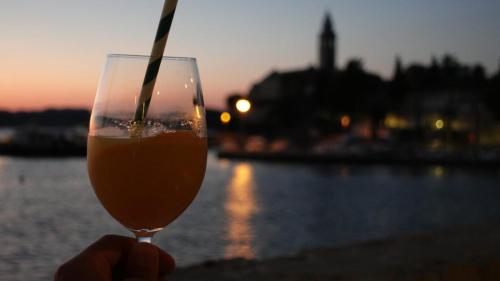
304	104
285	101
327	47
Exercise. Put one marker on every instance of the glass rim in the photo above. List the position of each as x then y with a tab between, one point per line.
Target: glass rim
132	56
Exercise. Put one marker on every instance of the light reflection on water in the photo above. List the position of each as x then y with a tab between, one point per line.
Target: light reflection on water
437	171
240	206
344	172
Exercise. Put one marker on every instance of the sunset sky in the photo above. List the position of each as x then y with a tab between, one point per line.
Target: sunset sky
52	51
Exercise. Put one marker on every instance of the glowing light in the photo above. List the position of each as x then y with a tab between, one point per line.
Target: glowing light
439	124
391	121
240	206
345	121
225	117
243	105
438	171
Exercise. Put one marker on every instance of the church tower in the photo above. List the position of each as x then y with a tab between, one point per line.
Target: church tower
327	42
398	68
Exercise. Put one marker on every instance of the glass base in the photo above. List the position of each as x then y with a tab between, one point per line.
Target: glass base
144	239
144	235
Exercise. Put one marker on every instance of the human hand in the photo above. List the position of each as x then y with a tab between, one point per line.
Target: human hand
117	258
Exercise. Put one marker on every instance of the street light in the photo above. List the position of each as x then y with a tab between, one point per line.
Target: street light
225	117
345	121
439	124
243	105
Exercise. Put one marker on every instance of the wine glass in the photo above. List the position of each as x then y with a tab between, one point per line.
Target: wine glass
146	176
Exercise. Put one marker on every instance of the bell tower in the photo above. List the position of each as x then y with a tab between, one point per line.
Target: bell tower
327	47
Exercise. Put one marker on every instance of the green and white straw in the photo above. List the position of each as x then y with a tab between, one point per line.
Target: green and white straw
167	16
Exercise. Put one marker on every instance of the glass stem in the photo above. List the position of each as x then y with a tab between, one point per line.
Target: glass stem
144	239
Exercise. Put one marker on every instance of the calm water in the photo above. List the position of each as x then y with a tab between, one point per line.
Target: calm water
48	211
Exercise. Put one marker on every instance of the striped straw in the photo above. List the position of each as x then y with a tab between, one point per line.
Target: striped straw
167	17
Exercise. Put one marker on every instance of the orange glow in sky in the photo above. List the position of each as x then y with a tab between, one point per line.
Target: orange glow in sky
52	52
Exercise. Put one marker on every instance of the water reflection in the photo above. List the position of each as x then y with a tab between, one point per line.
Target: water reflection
344	172
437	171
2	164
240	206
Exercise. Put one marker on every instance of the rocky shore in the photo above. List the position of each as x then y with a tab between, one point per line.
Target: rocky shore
462	253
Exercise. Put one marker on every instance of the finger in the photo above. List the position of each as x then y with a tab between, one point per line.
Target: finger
96	262
142	262
166	263
111	248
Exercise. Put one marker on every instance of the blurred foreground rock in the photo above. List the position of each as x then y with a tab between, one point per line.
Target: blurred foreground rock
468	254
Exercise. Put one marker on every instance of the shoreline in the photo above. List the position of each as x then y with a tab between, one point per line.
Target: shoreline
375	159
459	253
295	158
35	152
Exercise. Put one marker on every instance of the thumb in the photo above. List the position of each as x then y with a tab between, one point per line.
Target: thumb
142	263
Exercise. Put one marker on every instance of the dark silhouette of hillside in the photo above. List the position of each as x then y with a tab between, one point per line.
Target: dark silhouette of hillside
50	117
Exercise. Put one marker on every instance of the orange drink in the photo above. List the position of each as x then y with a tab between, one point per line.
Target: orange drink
146	182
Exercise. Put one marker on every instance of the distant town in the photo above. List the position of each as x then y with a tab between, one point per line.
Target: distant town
442	111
